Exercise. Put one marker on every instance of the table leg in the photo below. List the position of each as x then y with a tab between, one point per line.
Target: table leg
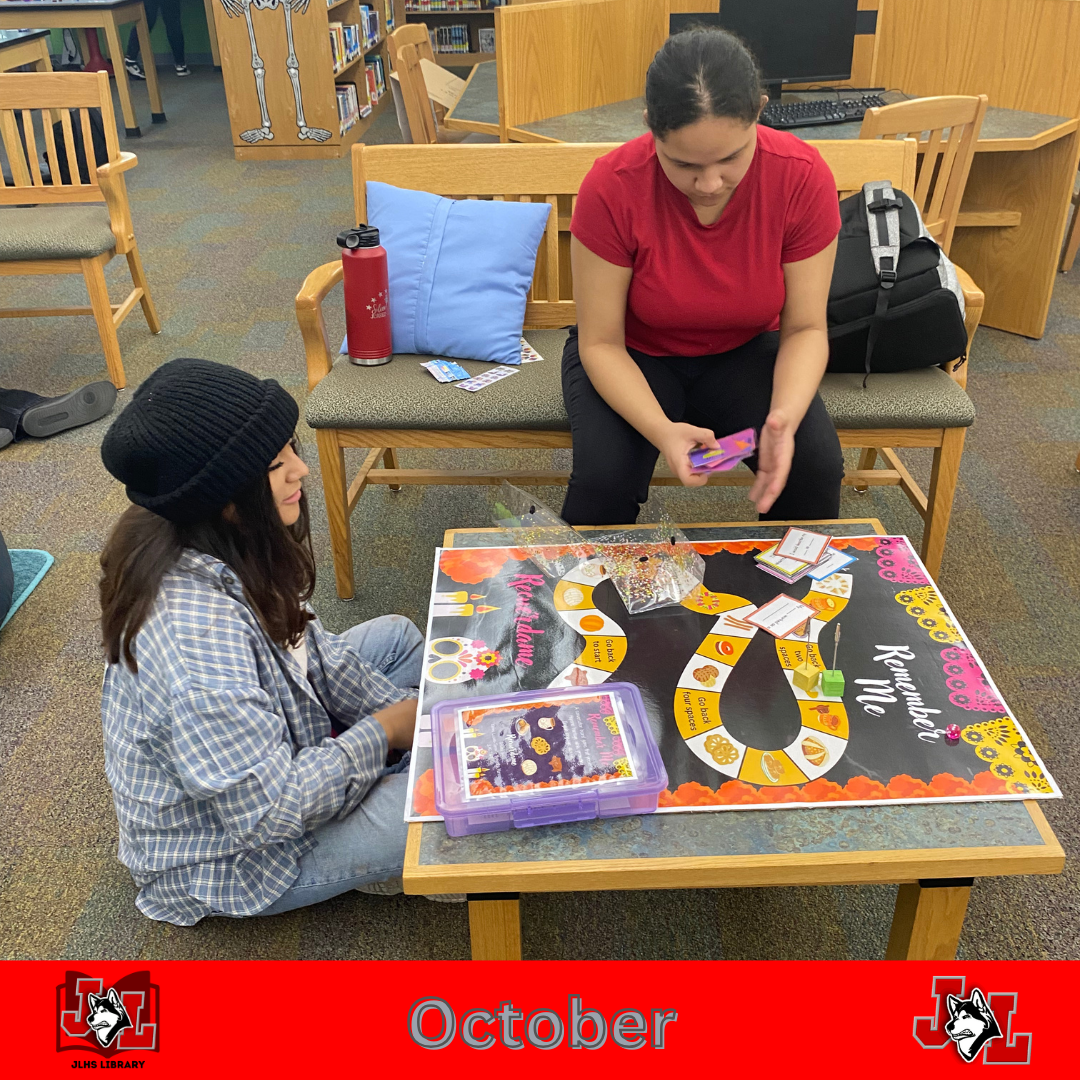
45	63
928	919
84	45
157	112
123	87
495	926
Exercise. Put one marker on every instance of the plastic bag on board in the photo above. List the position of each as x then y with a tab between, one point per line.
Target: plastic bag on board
652	566
552	545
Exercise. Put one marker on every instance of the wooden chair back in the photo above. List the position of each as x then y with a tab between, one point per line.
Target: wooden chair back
947	129
38	99
553	173
408	45
854	163
566	55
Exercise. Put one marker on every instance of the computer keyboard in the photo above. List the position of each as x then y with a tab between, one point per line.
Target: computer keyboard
793	114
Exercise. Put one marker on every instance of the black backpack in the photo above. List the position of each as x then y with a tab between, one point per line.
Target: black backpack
97	135
895	302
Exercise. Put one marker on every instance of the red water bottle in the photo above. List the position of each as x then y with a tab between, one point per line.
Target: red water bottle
367	296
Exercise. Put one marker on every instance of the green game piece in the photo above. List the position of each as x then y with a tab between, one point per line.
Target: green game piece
832	682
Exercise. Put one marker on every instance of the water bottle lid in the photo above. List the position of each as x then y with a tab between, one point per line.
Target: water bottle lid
363	236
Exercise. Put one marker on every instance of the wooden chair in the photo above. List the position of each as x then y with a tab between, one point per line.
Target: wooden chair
408	45
399	405
1072	237
944	160
48	226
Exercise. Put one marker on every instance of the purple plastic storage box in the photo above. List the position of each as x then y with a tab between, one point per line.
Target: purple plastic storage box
544	756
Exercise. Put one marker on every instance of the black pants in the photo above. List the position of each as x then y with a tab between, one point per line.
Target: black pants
613	462
170	15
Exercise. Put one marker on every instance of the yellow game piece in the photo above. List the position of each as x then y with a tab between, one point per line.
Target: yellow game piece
806	677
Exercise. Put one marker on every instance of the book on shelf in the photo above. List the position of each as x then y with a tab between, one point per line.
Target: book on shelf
424	7
348	103
337	45
451	39
377	76
353	43
369	21
485	36
388	6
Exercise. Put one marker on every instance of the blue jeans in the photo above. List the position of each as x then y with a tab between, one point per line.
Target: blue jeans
368	845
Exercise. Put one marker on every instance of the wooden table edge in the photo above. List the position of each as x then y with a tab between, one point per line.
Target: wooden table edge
1028	142
728	871
450	535
450	122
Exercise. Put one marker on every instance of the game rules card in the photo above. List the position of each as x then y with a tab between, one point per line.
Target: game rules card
803	545
578	739
781	616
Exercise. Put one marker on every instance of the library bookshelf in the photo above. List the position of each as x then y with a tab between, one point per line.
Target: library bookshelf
267	125
471	16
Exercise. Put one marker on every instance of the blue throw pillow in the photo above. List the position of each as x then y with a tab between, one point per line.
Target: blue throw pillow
460	271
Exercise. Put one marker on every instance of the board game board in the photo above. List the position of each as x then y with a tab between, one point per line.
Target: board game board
734	729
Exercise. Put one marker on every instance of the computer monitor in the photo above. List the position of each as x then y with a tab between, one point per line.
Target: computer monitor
793	40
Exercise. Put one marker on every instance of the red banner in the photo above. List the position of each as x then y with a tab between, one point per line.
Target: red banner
798	1020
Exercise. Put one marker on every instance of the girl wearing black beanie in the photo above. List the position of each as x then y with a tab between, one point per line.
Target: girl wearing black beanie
246	746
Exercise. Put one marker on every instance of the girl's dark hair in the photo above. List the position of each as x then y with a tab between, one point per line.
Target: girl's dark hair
701	73
273	561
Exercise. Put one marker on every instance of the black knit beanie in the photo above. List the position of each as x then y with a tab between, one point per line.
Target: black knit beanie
194	434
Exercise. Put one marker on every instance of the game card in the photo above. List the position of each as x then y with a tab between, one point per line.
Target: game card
781	616
731	450
801	544
787	567
478	382
830	563
572	740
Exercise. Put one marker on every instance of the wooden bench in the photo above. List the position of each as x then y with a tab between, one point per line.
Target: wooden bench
399	405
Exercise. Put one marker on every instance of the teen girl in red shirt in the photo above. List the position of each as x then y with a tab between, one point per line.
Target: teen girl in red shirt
702	254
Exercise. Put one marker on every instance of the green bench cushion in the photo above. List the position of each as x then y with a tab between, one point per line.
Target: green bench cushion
402	394
54	232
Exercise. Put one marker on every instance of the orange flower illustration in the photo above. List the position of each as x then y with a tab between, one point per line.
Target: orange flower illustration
470	566
859	543
857	789
424	794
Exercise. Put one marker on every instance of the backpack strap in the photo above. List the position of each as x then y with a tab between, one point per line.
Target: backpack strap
883	222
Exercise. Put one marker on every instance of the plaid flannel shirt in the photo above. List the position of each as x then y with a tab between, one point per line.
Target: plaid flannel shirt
219	750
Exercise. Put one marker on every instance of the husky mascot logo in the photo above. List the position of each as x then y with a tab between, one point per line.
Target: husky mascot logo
978	1024
971	1024
107	1016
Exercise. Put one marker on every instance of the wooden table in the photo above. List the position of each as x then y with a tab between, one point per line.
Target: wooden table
1011	225
934	851
108	15
24	47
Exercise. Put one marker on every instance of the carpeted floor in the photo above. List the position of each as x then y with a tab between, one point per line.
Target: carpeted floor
226	246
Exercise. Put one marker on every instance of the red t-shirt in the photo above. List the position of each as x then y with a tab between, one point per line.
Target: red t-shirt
700	289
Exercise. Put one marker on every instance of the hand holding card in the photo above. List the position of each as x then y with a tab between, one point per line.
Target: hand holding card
727	453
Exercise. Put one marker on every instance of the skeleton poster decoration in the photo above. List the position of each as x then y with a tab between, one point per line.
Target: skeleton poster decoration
265	131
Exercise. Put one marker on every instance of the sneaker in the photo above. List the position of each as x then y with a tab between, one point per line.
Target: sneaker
182	70
134	68
82	406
